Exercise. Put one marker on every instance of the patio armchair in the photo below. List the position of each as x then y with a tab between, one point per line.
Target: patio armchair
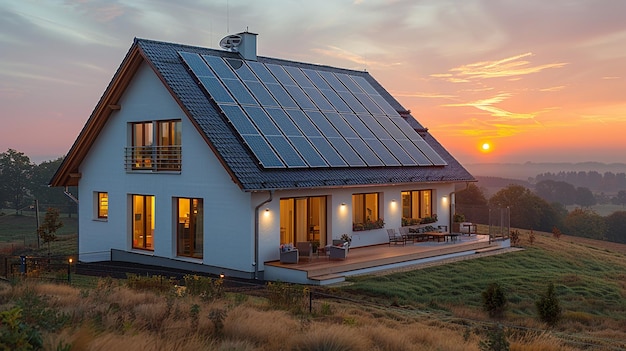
289	255
338	252
305	249
394	237
406	234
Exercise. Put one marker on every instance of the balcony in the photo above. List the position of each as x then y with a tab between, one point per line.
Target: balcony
153	158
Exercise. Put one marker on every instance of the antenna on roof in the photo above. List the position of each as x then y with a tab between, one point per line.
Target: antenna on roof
230	42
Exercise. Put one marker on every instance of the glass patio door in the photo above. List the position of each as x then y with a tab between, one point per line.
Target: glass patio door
303	219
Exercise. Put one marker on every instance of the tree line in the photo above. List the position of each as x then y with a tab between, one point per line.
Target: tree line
22	182
608	182
528	210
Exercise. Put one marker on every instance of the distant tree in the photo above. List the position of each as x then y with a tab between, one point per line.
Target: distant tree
584	197
50	196
473	204
620	198
527	209
15	175
51	223
585	223
616	227
494	300
556	191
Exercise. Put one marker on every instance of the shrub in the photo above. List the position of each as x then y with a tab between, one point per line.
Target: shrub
286	296
515	237
15	334
494	300
155	283
548	307
208	289
496	340
556	233
531	237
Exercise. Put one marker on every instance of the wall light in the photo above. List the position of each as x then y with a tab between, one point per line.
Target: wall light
267	210
394	201
343	204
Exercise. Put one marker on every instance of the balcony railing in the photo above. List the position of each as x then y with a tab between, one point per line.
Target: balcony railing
153	158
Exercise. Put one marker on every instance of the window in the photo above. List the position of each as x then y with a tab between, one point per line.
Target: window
416	205
103	205
162	154
143	222
190	228
365	215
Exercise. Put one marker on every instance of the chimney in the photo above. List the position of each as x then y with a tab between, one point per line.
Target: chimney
247	48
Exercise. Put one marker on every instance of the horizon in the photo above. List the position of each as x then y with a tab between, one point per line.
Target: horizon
524	82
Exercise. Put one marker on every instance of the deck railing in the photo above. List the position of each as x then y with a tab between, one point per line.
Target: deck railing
153	158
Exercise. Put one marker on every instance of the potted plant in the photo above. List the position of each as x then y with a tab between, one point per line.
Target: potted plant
346	239
457	219
314	245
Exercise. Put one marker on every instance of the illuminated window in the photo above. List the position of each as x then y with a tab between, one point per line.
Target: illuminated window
143	222
162	153
365	214
416	204
190	227
103	205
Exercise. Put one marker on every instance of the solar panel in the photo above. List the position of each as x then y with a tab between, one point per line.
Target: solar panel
216	90
262	121
347	153
302	117
262	151
327	151
365	152
304	147
196	64
286	152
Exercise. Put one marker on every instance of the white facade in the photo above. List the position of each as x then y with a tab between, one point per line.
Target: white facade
229	218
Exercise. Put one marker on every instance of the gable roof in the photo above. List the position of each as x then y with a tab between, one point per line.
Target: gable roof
240	159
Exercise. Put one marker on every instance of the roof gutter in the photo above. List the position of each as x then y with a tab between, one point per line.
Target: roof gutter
68	194
256	234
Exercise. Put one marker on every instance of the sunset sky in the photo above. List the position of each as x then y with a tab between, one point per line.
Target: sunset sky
540	81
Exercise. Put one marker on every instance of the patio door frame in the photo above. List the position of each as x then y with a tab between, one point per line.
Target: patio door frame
299	222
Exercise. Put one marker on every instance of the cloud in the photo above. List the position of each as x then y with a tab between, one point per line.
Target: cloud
510	67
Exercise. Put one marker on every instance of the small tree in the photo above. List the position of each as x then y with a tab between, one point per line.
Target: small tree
496	340
531	237
556	233
494	300
515	237
51	223
548	307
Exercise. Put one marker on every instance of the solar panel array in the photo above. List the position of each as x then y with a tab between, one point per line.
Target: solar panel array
293	117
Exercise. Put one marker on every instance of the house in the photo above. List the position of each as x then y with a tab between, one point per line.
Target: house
208	160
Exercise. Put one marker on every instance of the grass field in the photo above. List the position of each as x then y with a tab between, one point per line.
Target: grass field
433	308
19	233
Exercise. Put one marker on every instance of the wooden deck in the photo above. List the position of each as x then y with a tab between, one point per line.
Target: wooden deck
362	260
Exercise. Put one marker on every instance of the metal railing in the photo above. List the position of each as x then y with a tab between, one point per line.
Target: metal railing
153	158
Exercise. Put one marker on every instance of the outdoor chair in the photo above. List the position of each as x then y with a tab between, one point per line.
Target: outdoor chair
338	252
289	256
406	234
394	237
305	249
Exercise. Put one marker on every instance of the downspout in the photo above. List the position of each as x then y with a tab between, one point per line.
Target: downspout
256	235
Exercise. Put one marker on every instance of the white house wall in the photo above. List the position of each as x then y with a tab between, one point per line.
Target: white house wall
340	217
228	217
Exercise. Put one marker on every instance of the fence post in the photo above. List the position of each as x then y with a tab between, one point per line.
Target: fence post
23	264
310	301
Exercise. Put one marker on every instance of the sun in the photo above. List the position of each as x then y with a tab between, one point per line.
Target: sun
485	147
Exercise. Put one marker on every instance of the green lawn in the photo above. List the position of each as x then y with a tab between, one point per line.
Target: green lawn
588	280
21	231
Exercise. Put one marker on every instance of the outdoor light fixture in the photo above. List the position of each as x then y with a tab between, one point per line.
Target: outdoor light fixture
343	204
394	201
267	209
222	275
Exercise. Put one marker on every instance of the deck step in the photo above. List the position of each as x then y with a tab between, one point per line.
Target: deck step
487	249
328	279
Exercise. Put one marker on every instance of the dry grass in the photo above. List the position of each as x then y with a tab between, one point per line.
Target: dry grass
115	317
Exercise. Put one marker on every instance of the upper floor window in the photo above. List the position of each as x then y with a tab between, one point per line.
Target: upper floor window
416	205
162	153
365	213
